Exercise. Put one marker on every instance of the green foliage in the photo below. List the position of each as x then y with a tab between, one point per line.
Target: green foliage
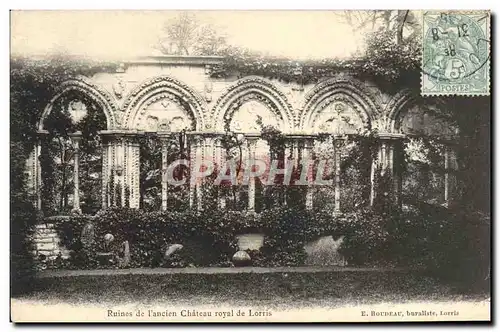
58	154
391	63
386	61
150	171
452	244
33	83
208	236
242	62
365	238
22	220
444	242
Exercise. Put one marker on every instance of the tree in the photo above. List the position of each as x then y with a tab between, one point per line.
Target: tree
187	35
395	21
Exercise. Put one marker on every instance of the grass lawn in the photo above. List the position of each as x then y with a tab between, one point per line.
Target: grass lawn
272	289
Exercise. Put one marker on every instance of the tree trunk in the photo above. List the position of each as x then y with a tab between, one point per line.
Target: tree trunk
401	19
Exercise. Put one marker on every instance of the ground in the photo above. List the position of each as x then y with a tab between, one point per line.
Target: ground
270	288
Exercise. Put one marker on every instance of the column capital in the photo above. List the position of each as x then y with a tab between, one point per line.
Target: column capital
391	136
42	135
42	132
252	141
164	135
76	138
120	135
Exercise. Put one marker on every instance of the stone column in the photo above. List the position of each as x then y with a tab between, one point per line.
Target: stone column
164	137
125	162
36	168
337	146
295	153
307	146
134	172
105	172
119	170
194	159
389	150
108	166
118	155
252	142
220	153
76	138
395	158
200	158
114	169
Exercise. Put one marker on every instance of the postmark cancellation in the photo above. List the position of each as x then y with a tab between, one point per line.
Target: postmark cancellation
456	53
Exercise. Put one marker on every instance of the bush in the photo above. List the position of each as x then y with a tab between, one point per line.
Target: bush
365	238
23	217
149	234
208	237
453	245
436	239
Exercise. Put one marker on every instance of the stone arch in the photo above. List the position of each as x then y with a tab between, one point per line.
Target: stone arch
85	86
331	90
406	104
398	104
253	88
157	88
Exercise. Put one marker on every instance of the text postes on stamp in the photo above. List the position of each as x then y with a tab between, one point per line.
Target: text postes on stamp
456	53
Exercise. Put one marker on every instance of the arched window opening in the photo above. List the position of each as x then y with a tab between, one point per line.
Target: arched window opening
72	134
431	162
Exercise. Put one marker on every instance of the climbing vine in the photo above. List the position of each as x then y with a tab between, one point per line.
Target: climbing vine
386	61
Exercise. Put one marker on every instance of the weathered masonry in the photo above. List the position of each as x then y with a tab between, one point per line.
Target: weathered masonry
166	95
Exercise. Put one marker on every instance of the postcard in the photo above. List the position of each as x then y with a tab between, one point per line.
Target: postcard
250	166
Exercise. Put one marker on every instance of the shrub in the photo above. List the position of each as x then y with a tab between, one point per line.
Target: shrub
437	239
23	217
365	238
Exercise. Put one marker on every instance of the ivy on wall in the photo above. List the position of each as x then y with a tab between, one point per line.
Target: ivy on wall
387	61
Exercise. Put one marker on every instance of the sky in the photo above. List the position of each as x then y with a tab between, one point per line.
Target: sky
124	34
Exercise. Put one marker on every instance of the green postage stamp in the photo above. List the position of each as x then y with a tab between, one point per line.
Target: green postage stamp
456	53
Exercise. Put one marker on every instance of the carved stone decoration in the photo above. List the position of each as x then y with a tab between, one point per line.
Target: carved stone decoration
91	90
402	100
165	103
419	120
151	123
165	124
105	174
161	88
119	88
164	113
252	88
252	115
134	169
77	110
348	90
338	118
382	124
338	114
208	91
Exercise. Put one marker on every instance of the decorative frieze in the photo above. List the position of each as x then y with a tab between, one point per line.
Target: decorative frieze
190	100
121	149
252	88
